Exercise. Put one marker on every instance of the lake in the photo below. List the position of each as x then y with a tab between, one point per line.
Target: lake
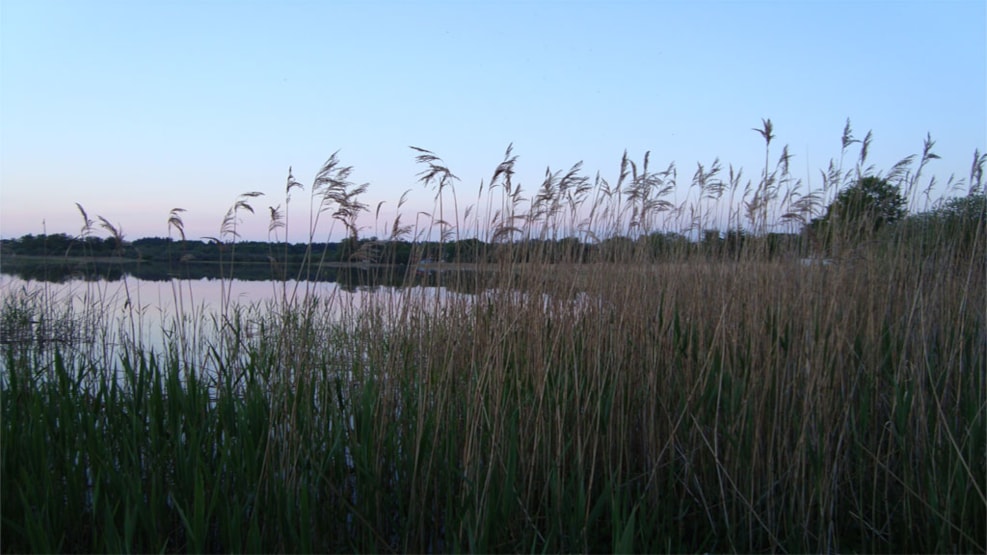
98	313
147	312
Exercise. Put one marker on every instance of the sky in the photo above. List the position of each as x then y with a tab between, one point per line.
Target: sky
132	109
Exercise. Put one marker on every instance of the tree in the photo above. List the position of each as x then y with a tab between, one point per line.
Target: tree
860	210
957	225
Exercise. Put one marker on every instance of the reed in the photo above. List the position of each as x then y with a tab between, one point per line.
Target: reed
635	396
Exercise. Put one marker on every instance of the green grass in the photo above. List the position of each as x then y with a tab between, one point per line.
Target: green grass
725	403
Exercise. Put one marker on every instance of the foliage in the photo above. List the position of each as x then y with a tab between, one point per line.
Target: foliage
960	223
969	209
862	209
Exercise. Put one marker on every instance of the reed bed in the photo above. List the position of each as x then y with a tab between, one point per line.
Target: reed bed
680	403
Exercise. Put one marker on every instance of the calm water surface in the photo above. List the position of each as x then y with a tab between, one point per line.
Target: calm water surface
145	308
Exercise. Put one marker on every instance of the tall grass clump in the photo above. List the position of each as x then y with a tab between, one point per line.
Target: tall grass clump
611	375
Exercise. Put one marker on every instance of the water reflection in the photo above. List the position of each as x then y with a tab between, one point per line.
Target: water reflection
63	270
144	310
349	277
84	317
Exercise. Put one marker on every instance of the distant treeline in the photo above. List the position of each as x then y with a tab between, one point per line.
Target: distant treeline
960	221
374	251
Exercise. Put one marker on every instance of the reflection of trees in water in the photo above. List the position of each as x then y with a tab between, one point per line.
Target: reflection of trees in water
349	279
61	272
353	279
64	270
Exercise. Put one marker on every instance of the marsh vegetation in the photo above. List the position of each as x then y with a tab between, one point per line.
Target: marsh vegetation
648	396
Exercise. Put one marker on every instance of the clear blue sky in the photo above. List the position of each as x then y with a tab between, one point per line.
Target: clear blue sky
134	108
